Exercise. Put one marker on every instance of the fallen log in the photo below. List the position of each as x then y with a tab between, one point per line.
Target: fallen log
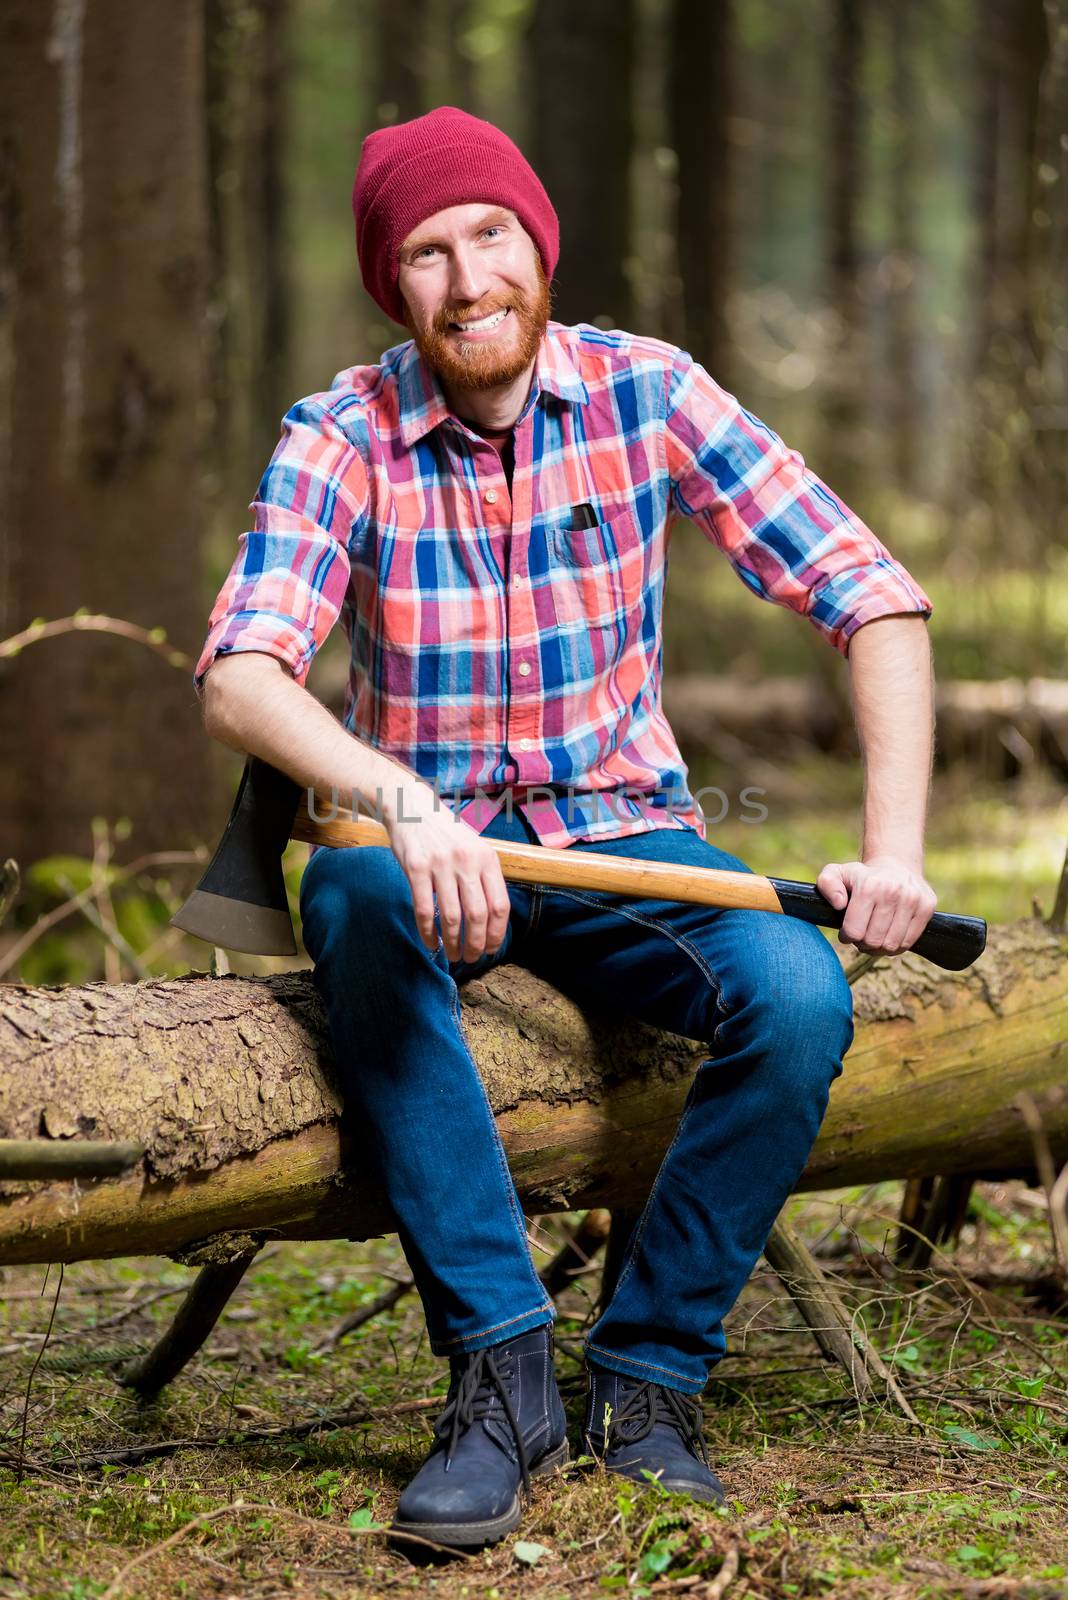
226	1082
999	727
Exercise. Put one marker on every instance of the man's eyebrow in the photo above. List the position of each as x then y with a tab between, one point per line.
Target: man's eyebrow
488	219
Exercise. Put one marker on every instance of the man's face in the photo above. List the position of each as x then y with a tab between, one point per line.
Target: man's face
476	298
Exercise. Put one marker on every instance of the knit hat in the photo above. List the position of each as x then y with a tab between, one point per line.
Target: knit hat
446	158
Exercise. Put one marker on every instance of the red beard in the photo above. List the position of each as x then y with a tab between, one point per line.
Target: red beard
485	365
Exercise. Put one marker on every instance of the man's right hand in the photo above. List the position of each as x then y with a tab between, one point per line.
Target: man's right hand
444	859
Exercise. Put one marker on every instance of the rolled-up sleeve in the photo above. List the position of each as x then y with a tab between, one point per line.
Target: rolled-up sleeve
788	537
289	578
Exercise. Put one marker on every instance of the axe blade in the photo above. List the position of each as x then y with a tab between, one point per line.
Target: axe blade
240	902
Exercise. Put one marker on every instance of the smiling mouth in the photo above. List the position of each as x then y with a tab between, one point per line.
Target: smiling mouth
482	325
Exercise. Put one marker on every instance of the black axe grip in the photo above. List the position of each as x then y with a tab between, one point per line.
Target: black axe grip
950	942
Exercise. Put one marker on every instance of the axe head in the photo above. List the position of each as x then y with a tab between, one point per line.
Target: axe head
240	902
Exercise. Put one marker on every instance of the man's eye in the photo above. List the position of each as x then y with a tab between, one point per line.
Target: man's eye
493	228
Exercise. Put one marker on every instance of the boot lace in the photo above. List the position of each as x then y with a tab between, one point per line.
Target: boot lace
481	1393
650	1403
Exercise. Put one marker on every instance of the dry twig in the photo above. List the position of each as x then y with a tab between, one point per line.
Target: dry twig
84	621
33	1370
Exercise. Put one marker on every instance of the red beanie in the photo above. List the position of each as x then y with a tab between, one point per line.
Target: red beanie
446	158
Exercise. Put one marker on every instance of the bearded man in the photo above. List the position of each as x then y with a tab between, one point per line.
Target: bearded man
488	507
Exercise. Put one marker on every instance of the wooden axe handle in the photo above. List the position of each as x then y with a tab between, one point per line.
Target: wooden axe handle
947	941
576	869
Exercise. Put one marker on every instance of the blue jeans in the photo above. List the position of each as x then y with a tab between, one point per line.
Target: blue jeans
765	991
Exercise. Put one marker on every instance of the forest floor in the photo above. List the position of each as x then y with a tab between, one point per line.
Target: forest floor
242	1481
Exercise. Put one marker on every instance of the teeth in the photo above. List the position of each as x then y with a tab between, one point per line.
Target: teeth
485	322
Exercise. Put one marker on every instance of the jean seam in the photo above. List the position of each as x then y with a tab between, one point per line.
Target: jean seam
465	1338
650	1366
502	1160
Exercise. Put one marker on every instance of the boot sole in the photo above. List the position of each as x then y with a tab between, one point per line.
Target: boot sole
472	1535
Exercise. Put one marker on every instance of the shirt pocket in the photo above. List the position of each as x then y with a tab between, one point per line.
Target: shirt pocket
598	579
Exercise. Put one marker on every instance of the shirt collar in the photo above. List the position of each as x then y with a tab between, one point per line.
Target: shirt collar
422	405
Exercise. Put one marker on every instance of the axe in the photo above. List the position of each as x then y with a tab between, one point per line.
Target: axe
240	903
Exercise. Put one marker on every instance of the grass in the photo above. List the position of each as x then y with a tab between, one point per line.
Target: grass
825	1494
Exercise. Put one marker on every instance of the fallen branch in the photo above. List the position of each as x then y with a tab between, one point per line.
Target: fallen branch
56	1160
832	1324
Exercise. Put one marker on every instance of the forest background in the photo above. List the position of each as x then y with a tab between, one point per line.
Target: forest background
855	215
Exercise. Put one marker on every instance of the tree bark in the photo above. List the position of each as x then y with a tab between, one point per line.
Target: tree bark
227	1083
103	379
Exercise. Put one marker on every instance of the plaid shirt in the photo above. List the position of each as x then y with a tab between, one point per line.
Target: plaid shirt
495	646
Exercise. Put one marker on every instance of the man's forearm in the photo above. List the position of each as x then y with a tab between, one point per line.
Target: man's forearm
253	705
890	666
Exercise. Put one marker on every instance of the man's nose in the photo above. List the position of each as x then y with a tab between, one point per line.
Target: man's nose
468	278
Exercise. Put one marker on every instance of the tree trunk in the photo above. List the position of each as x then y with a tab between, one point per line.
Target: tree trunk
844	385
247	106
402	32
1018	373
105	296
699	102
227	1083
902	266
581	73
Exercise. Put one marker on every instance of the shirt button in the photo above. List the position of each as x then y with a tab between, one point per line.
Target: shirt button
517	582
526	744
490	497
524	669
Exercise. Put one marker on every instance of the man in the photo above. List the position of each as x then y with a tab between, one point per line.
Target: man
488	510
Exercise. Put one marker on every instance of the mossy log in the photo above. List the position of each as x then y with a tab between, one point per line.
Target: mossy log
227	1082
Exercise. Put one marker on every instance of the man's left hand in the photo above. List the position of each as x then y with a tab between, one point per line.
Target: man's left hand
887	902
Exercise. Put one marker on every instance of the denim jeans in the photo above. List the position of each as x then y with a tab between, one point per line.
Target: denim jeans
766	992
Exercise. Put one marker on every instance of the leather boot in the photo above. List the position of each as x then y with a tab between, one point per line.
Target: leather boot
635	1428
503	1424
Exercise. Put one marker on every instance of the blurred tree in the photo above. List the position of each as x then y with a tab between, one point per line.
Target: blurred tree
1021	123
902	263
402	86
106	272
846	145
580	73
699	106
460	68
247	103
